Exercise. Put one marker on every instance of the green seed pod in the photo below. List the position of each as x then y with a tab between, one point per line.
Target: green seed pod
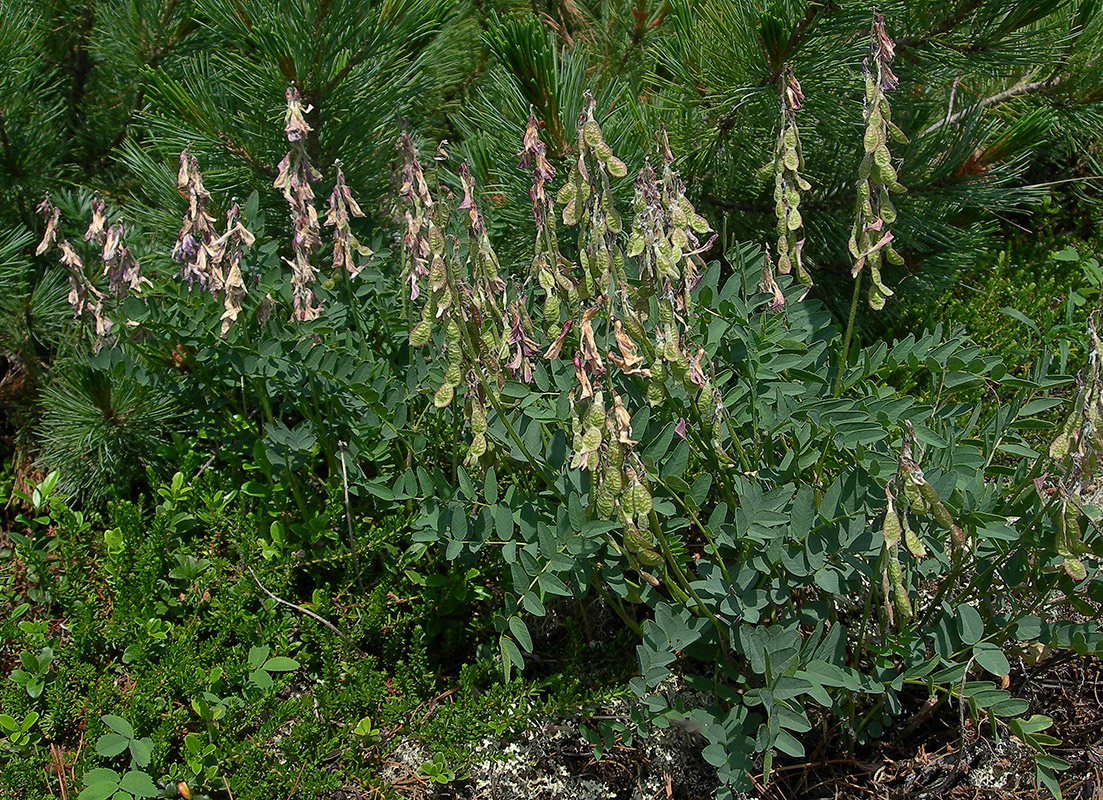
436	239
789	138
454	357
595	414
551	309
790	160
641	499
438	273
911	540
603	151
658	371
635	329
896	579
678	217
666	313
915	498
591	132
1060	446
478	419
477	448
614	478
606	503
892	529
614	459
421	334
444	395
591	440
454	375
452	333
636	540
616	167
655	393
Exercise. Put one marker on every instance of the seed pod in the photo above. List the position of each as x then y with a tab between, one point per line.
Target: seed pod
591	132
655	393
606	503
444	395
452	333
595	414
640	499
421	334
636	540
436	239
911	540
551	309
454	375
614	458
915	498
896	579
477	448
666	313
613	480
591	440
892	529
478	419
658	371
1060	446
616	167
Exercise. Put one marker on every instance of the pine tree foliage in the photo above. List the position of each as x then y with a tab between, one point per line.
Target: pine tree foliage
982	87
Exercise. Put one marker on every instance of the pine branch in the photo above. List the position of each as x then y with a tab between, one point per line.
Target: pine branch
945	25
1020	90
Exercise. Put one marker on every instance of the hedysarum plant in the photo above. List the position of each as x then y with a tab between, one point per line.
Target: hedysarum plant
609	424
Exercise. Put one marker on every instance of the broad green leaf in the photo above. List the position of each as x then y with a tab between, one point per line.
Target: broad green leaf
533	605
970	625
280	664
119	725
261	679
789	744
992	659
111	744
520	632
100	783
141	750
490	486
258	654
139	784
675	463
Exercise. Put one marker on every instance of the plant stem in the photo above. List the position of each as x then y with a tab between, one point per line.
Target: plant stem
844	356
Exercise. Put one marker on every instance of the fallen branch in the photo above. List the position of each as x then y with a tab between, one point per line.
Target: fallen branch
308	612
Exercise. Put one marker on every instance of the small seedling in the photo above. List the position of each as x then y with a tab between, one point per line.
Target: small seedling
262	666
19	734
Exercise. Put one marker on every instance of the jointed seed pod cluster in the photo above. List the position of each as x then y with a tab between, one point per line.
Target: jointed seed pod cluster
909	491
788	183
870	236
609	328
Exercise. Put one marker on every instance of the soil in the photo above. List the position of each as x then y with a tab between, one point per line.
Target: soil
940	759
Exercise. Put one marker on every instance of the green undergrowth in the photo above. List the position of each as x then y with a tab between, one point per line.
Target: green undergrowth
150	621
